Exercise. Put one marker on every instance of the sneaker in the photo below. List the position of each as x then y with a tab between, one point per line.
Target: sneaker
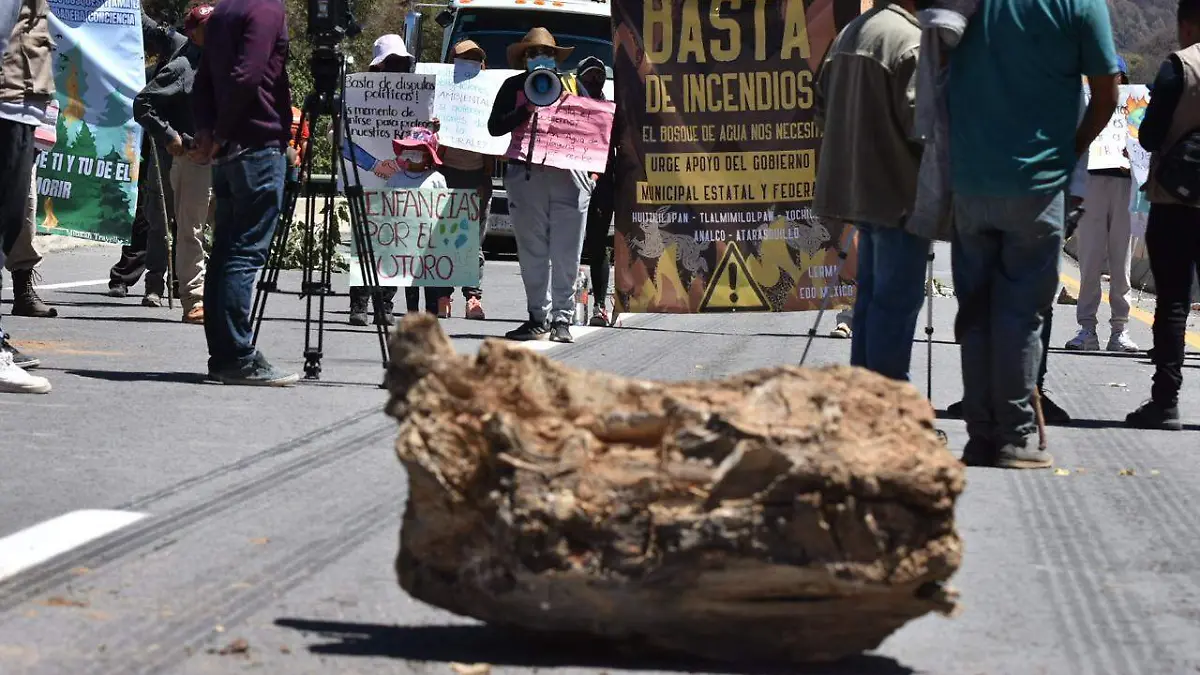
23	361
152	300
979	452
1154	415
841	331
1013	456
117	290
1066	298
258	373
530	330
1053	414
1121	342
599	318
194	315
1085	340
475	310
14	380
445	308
561	332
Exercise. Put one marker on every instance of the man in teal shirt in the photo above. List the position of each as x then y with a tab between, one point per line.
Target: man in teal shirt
1015	138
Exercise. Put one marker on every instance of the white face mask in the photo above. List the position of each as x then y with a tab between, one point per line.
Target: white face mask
413	157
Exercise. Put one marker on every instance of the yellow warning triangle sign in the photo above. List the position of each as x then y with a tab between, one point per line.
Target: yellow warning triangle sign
731	289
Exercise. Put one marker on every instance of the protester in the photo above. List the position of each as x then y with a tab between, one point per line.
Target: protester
592	76
242	106
22	260
1173	228
1009	174
549	206
1104	236
865	102
26	91
417	157
164	109
467	170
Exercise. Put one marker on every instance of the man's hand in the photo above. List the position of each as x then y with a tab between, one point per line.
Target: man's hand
175	146
205	148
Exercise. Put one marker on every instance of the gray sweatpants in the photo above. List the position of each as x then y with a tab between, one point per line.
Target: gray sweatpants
549	210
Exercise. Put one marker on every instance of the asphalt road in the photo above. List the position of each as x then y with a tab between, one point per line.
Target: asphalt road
268	518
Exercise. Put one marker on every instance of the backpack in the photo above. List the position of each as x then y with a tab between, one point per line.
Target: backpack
1179	170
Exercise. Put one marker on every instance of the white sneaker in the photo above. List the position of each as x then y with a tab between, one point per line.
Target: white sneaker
14	380
1085	340
1121	342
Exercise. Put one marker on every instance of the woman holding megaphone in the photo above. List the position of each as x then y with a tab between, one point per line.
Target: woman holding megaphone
548	205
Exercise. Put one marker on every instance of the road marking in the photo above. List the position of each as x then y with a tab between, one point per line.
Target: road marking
37	544
578	332
71	284
1192	339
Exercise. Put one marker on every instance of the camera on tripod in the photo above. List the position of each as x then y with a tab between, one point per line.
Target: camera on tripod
331	21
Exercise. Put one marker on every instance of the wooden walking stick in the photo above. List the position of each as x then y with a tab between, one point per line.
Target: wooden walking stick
1041	418
156	163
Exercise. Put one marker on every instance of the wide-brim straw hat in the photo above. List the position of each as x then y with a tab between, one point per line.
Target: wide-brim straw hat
536	37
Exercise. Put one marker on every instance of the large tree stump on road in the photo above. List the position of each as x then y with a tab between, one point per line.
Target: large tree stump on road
785	514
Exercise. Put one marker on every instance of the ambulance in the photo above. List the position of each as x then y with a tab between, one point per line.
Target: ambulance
585	25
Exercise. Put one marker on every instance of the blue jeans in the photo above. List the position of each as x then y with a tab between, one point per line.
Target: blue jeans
249	195
1005	258
891	287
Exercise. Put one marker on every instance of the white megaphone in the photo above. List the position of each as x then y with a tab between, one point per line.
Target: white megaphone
543	87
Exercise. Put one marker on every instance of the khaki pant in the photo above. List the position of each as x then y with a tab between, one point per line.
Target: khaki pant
24	255
1104	236
192	185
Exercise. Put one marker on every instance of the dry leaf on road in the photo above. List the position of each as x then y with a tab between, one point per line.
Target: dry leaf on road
472	668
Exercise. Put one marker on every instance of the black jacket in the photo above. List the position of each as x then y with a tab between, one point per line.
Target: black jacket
506	116
164	107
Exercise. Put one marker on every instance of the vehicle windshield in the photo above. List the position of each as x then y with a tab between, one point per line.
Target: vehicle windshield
495	29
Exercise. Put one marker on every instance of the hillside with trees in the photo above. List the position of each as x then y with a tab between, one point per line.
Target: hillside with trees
1145	33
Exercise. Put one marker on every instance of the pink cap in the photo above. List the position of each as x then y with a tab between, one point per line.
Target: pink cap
418	137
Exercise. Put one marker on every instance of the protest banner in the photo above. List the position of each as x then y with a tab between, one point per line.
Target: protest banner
572	133
425	237
1108	150
718	157
379	108
463	103
1134	100
87	185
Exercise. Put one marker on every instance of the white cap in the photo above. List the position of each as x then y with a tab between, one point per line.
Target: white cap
389	45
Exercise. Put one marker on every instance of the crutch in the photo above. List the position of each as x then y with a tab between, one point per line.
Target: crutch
156	163
847	236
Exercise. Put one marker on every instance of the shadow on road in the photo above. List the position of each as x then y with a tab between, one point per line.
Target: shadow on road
134	376
495	646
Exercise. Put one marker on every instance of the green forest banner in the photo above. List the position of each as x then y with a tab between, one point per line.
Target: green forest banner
87	185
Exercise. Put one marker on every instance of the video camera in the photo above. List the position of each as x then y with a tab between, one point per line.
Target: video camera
331	21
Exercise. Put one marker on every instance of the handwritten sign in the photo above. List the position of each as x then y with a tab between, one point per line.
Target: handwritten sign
1108	150
425	237
379	108
571	134
463	103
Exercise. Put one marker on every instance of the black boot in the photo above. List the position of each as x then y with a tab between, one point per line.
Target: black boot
358	305
25	299
385	317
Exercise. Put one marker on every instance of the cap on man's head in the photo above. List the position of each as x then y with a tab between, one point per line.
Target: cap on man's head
421	138
591	63
389	45
196	18
468	48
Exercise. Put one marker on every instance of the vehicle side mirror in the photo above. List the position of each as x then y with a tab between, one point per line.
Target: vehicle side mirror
444	18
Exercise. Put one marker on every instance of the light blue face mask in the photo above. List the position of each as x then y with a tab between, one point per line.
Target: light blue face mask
540	62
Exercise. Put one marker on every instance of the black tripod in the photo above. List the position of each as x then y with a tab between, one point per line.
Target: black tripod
321	239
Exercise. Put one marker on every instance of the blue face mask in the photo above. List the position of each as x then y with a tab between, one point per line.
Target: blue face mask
540	62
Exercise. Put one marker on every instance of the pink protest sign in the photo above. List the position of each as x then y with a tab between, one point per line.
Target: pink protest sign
571	134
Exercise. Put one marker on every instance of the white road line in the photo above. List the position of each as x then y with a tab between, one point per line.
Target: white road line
71	284
37	544
578	332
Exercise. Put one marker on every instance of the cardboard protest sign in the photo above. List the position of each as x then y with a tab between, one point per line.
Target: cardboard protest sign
424	237
572	134
718	157
1108	150
379	108
463	103
87	184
